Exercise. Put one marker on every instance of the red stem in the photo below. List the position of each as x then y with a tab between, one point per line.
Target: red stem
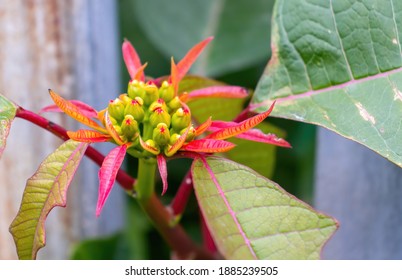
182	196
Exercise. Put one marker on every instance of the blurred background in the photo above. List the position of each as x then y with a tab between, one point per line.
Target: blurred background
73	47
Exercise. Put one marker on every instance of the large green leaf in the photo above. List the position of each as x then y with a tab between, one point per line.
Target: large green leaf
46	189
337	64
7	114
241	30
251	217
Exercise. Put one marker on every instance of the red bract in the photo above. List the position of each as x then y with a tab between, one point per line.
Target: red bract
153	120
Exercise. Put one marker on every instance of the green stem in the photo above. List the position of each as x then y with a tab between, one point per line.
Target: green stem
163	220
145	184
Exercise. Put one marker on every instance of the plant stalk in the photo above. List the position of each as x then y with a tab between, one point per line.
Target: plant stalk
145	184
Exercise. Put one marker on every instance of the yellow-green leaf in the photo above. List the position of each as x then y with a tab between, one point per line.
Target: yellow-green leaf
7	114
251	217
46	189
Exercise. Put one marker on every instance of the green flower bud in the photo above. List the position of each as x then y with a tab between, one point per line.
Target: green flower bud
151	94
174	104
136	89
159	116
125	98
116	109
190	134
173	139
166	91
129	127
161	134
181	119
134	108
160	103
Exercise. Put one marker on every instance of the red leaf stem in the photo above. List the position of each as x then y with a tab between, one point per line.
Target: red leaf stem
125	180
182	196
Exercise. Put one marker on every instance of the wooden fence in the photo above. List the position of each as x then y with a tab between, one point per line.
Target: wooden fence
71	47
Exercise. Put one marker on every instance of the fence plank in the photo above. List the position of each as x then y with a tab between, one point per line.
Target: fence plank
71	47
364	192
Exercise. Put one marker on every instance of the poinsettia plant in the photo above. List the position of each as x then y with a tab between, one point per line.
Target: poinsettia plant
245	215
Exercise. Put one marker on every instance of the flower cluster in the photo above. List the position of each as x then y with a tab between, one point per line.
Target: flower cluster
153	120
165	120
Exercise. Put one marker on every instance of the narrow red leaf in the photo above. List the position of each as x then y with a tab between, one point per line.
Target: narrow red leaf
162	171
257	135
85	109
74	111
107	174
203	127
111	130
218	91
208	146
88	136
132	61
253	134
185	64
241	127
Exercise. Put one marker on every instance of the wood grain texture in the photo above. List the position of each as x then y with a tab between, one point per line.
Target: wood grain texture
364	192
71	47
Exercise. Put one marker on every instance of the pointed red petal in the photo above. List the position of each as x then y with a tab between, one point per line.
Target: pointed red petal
176	146
203	127
208	146
241	127
253	134
258	136
85	109
218	125
74	111
107	174
88	136
185	64
111	130
162	171
132	61
218	91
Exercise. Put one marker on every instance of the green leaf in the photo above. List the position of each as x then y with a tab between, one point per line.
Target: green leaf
225	109
241	30
7	114
251	217
337	64
46	189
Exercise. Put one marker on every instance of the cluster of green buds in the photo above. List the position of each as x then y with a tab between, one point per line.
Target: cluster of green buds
151	118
